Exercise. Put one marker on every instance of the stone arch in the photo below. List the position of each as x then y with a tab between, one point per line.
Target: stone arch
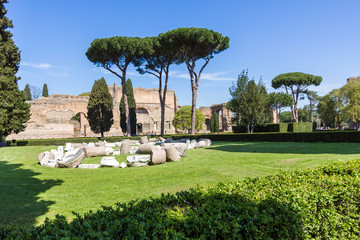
144	120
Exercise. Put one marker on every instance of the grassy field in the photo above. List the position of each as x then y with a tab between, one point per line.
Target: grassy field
29	192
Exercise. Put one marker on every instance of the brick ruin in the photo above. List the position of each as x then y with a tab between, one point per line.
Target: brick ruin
51	116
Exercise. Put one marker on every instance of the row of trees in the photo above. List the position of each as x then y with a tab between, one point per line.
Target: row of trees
155	55
14	112
33	92
252	105
341	105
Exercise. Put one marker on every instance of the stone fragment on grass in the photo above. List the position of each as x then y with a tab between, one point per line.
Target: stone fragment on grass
158	156
71	159
123	165
109	162
146	148
171	154
125	146
138	158
143	140
89	166
45	157
94	151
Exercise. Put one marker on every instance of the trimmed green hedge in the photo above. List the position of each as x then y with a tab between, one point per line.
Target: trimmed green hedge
278	127
318	136
321	203
272	127
62	141
300	127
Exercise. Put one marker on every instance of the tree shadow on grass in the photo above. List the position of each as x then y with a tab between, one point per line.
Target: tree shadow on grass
19	190
289	147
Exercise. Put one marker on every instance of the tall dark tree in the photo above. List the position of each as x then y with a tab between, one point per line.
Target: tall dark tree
100	106
118	52
294	84
14	112
253	101
9	53
194	44
27	93
236	90
132	108
214	122
159	54
45	92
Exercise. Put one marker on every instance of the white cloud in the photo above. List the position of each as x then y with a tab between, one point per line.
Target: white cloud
36	65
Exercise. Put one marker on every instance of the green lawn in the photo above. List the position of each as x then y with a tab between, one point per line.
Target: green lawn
29	192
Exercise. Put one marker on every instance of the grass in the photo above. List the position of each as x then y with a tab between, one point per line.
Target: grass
29	193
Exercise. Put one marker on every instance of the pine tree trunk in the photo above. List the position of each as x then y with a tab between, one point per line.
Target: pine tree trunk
193	111
127	115
162	128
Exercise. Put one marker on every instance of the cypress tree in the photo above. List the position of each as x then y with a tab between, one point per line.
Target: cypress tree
27	93
216	122
100	115
212	124
9	53
14	112
45	92
132	109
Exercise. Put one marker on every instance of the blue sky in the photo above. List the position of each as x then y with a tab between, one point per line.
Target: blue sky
266	37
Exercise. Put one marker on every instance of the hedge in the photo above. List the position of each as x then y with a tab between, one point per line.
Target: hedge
322	203
300	127
318	136
278	127
62	141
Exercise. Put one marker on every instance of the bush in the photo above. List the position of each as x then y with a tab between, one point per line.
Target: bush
318	203
272	127
300	127
239	129
318	136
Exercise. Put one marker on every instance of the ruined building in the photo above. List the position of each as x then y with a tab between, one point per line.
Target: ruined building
51	116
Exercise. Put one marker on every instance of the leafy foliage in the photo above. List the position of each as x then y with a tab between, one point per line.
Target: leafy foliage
27	93
100	115
118	52
317	203
236	90
182	118
278	101
45	92
9	53
14	112
214	123
351	92
132	108
194	44
85	94
158	54
253	101
294	84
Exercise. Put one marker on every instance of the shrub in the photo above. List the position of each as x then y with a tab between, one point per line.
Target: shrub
318	136
272	127
318	203
300	127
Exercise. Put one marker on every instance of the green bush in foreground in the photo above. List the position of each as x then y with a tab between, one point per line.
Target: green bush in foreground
323	203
